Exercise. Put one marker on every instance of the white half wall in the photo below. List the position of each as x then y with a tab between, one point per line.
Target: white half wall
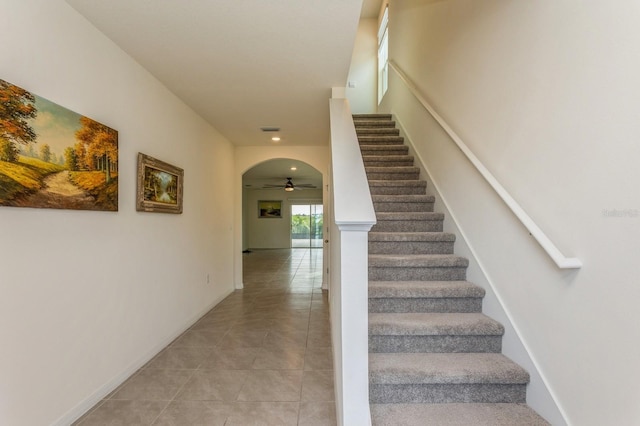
88	297
545	95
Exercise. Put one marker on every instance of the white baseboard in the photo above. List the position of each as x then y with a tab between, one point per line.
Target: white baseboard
85	405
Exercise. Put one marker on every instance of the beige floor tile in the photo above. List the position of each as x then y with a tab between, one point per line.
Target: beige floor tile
244	338
318	359
317	414
279	358
153	384
202	338
272	385
319	339
264	414
195	413
286	339
179	358
213	385
125	413
261	357
317	385
230	358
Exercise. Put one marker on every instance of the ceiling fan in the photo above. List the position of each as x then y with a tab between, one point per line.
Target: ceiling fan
289	186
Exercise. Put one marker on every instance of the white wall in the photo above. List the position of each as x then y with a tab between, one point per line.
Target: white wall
248	156
363	69
272	232
544	93
87	297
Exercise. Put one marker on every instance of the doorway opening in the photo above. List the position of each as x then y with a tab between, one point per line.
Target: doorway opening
306	225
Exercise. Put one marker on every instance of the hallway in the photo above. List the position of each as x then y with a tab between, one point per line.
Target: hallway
261	357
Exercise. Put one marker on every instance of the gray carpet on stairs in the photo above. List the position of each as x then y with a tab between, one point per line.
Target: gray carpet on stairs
435	359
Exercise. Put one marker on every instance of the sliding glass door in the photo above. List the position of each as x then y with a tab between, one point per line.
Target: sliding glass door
306	225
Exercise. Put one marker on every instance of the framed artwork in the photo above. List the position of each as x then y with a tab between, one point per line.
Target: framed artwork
269	209
159	186
52	157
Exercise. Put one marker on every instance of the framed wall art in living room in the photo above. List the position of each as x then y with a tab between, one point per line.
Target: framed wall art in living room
270	209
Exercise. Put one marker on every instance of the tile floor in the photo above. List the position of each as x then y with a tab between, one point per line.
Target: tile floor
261	357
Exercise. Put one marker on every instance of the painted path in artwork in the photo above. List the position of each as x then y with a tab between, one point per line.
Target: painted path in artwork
59	193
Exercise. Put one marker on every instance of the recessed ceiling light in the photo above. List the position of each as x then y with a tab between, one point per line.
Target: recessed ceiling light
294	168
275	138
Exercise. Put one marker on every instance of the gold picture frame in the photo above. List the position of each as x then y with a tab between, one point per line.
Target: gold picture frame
160	186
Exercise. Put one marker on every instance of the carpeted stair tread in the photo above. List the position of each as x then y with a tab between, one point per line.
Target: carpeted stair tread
417	260
377	131
433	324
424	289
411	236
363	123
398	182
437	216
397	187
455	414
387	160
444	368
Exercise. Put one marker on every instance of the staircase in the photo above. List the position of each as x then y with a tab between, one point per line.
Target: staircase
434	358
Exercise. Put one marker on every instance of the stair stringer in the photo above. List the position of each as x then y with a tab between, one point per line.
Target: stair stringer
539	395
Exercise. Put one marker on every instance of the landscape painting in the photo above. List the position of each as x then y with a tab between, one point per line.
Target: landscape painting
159	186
269	209
51	157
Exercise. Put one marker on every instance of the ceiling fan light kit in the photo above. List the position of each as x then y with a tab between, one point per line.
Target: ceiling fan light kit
289	186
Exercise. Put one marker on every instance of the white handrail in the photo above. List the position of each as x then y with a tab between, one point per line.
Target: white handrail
561	260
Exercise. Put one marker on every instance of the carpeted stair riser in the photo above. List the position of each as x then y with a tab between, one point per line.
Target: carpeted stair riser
447	393
440	304
376	131
387	161
424	297
360	117
408	222
434	333
445	377
455	414
392	173
380	140
395	187
403	203
368	124
435	344
418	273
414	247
384	150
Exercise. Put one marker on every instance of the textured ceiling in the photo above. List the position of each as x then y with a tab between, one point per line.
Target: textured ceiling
241	64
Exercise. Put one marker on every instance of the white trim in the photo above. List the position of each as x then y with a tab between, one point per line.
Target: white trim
555	254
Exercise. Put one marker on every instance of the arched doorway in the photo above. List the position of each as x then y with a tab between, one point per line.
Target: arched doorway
262	186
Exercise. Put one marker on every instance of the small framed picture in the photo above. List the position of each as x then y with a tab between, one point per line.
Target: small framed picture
159	186
270	209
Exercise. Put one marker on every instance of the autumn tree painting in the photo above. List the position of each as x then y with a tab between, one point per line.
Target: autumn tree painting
51	157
